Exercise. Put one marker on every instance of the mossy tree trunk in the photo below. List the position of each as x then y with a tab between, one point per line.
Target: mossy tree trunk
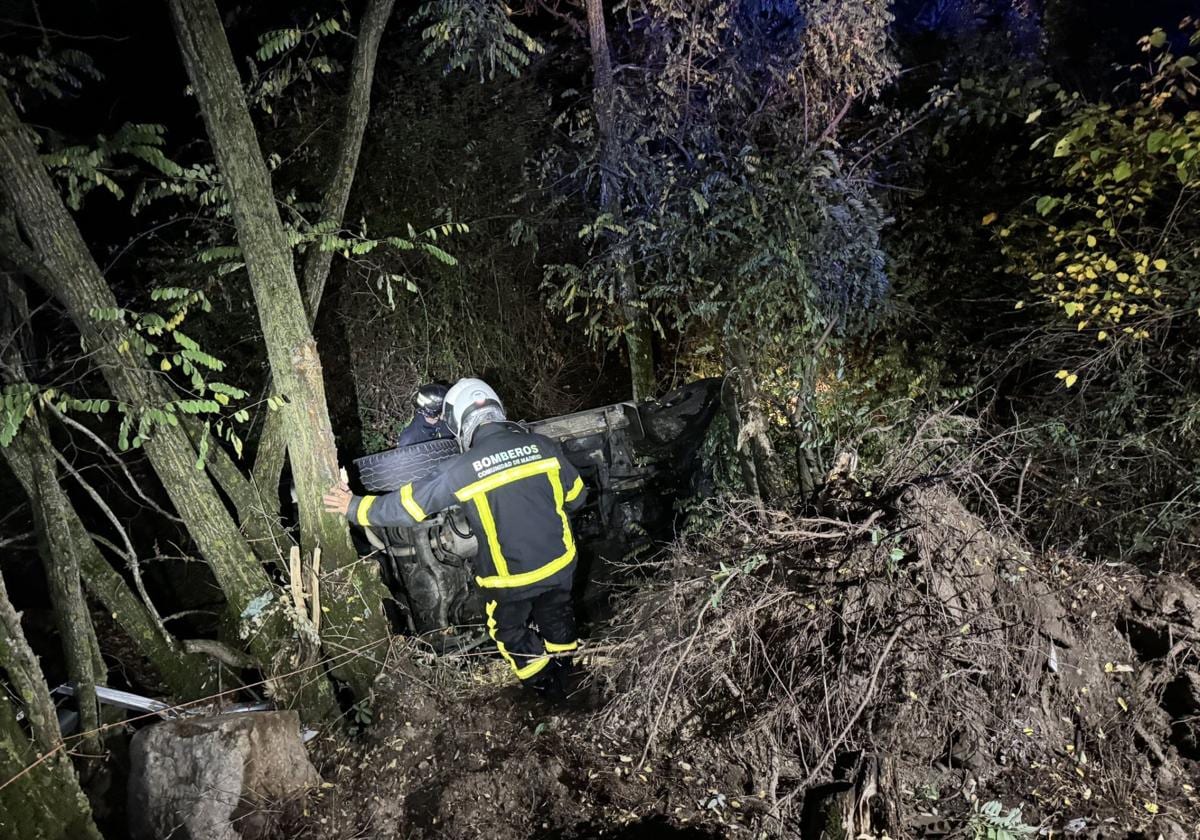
352	589
638	340
38	475
272	448
61	562
42	801
64	266
185	675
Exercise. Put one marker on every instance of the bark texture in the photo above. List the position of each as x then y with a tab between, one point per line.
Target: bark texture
60	560
77	283
753	443
45	801
257	507
186	676
71	275
85	666
638	342
272	449
354	593
71	559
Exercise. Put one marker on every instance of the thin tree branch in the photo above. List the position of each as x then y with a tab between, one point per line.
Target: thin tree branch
74	424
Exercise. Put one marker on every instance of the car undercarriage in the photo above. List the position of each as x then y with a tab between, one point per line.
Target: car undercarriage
637	459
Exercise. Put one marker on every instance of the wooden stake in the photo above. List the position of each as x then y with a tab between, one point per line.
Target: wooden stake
316	591
297	580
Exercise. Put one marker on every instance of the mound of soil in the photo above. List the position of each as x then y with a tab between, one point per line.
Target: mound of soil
890	673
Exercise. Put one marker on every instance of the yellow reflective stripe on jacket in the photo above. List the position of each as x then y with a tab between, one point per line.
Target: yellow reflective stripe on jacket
410	504
555	647
493	538
506	581
508	476
575	490
363	506
523	672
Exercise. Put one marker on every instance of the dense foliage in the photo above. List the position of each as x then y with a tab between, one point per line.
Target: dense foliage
974	219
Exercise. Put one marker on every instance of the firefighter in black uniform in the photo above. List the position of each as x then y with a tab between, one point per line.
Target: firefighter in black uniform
517	489
427	423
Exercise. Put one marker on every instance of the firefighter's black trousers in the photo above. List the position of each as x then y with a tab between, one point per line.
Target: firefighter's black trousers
523	647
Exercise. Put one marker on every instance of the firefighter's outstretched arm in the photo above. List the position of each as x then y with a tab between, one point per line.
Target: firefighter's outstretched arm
404	508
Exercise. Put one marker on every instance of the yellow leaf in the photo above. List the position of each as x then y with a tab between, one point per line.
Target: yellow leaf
1121	702
1027	730
1108	667
1091	241
1021	305
965	629
1062	374
1160	264
164	365
1151	807
1070	380
989	218
1102	336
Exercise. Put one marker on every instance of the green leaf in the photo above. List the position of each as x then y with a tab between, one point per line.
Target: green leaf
1122	171
1045	204
1156	141
203	448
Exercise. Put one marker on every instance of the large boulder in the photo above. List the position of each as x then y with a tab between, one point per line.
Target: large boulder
210	778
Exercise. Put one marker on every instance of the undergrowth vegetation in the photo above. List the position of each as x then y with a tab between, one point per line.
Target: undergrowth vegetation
944	258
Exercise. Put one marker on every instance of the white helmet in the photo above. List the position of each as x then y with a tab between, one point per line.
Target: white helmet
469	404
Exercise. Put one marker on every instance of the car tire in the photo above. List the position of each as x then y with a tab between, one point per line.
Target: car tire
384	472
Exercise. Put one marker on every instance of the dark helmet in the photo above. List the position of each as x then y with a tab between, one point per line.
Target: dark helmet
430	398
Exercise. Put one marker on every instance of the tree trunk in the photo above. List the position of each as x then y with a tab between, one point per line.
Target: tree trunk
353	591
257	508
61	562
72	276
45	801
358	110
70	556
187	677
269	458
638	341
753	443
85	666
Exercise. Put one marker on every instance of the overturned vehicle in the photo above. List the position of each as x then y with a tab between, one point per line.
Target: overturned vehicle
637	459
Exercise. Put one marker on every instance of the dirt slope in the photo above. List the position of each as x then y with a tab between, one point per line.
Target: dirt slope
887	672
